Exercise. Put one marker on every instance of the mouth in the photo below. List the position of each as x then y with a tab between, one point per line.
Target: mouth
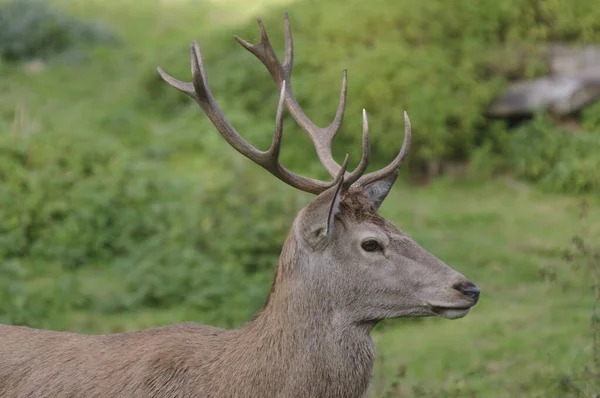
450	312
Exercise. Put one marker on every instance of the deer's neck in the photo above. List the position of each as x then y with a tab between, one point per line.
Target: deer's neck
300	343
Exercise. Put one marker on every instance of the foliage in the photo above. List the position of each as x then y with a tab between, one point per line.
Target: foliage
33	29
169	241
590	117
557	159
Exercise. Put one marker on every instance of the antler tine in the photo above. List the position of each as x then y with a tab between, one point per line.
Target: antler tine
391	168
199	90
321	138
365	156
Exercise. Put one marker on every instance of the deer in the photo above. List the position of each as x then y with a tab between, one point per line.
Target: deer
343	268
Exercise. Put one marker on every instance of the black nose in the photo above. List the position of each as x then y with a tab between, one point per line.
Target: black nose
469	290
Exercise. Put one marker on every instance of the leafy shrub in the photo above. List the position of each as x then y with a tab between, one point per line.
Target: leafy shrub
220	255
557	159
441	61
211	242
33	29
52	209
24	303
590	117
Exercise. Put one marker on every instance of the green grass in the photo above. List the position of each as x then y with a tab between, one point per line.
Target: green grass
525	333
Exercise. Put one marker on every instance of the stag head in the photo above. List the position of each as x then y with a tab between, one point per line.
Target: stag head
341	253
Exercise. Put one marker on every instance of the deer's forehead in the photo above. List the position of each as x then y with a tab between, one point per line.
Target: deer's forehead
382	228
366	223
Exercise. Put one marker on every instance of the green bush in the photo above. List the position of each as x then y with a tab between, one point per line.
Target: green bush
219	254
79	201
31	29
67	201
557	159
442	61
36	304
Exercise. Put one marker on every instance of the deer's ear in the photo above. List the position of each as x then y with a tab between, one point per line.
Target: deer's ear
317	219
377	191
318	222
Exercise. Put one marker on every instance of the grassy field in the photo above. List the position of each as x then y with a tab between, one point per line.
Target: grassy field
532	326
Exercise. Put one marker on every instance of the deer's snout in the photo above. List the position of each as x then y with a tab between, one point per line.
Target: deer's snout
469	289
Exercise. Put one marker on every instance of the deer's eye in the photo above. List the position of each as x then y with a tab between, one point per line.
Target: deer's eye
370	245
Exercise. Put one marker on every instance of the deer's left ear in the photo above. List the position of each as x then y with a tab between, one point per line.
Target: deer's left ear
317	219
377	191
316	222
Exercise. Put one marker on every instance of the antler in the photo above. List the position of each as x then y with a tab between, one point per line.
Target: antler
322	138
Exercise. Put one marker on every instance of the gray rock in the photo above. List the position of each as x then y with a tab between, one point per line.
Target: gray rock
574	82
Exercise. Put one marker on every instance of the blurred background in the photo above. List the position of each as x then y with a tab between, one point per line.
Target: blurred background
122	208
